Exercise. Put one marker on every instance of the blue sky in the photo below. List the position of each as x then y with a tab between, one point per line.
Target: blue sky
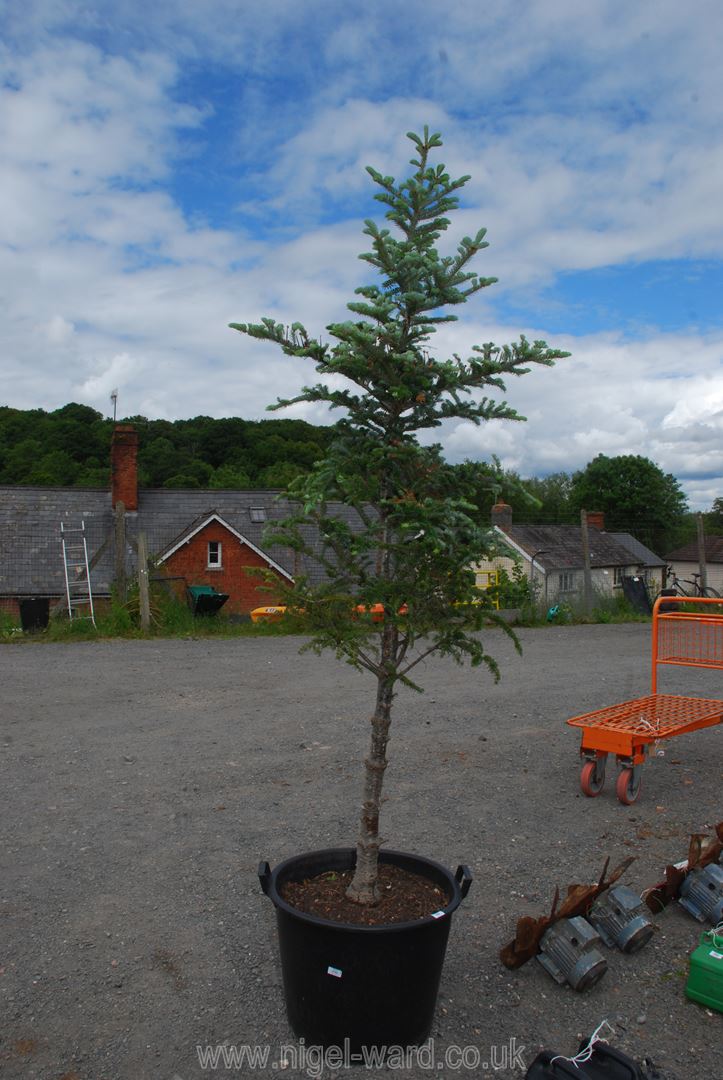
170	168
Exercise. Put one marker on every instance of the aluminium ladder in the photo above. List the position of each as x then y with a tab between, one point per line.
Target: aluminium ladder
77	571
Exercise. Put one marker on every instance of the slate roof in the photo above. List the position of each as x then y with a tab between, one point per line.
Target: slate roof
689	553
30	550
641	554
560	546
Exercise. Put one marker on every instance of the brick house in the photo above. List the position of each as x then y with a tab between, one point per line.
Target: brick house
213	552
194	536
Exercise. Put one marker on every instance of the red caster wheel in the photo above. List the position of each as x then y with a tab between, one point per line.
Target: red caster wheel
627	787
592	777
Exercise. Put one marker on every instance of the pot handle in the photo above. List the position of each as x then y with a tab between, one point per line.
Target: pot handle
464	877
264	876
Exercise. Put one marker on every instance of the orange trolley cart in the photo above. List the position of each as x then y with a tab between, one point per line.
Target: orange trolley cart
688	638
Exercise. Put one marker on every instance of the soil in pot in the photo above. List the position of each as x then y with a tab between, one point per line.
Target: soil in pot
404	897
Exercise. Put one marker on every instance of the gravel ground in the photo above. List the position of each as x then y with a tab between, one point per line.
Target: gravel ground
143	781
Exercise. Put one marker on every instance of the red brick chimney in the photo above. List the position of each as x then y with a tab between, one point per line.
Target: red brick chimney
596	518
123	466
501	514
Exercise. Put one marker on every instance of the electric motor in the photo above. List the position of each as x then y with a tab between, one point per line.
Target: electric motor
621	919
568	952
701	894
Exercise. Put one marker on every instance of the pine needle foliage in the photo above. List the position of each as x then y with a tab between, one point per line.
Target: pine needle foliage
414	535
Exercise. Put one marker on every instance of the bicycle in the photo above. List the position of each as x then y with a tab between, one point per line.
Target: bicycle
696	589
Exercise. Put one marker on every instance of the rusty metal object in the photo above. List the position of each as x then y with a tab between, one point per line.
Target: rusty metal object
700	854
579	900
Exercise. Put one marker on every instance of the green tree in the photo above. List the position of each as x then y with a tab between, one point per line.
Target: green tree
553	494
54	469
714	518
20	461
635	495
181	480
93	474
221	438
230	478
418	534
279	475
159	460
488	482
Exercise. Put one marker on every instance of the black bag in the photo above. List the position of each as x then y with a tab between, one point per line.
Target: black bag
605	1063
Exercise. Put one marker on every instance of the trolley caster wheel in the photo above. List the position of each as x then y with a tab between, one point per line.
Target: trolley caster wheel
592	778
627	787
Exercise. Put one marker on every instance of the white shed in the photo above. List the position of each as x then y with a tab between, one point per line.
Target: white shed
684	562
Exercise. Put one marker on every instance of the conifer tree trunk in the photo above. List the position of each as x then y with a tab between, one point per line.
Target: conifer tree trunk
364	887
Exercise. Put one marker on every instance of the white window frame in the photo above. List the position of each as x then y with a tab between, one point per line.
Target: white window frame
618	574
566	581
217	562
257	514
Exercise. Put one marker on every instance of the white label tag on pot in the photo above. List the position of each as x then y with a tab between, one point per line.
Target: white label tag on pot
336	972
437	914
716	955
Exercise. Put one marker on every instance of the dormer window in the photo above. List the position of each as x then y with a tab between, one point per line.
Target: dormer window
214	555
257	514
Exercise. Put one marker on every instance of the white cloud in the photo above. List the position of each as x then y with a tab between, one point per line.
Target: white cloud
593	136
58	330
327	159
613	397
700	404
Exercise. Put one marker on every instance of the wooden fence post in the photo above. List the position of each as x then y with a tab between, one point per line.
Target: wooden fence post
702	565
143	596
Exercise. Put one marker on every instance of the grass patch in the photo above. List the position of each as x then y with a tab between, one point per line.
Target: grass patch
615	609
170	618
9	626
606	609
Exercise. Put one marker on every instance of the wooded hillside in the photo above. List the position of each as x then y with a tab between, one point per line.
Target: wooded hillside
71	447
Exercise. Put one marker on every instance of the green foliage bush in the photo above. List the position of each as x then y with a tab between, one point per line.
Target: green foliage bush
9	624
517	591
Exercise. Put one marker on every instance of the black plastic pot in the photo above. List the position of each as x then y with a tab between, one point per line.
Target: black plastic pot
34	612
370	985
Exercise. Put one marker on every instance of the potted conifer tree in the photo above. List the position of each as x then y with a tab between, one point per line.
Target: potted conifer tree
360	961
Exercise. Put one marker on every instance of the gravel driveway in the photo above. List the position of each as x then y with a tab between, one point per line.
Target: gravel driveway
143	780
